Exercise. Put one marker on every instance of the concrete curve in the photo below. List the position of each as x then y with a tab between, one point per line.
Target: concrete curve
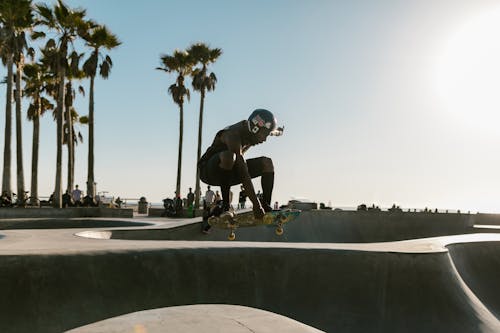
200	318
54	280
325	227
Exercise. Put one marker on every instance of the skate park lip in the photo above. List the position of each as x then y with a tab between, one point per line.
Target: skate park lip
347	227
313	227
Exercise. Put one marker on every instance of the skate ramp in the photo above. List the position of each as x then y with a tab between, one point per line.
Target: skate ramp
56	280
409	286
479	266
325	227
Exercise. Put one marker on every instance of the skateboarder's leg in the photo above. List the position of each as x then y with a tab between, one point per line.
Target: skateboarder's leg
263	167
226	173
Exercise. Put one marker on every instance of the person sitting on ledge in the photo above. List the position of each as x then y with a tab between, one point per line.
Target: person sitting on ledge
88	201
67	201
5	200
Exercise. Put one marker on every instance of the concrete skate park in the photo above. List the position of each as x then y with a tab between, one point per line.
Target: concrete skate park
331	271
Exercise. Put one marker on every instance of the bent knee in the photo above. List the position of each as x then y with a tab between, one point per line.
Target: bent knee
227	159
267	164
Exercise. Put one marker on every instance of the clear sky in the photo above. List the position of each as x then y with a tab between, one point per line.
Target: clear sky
383	101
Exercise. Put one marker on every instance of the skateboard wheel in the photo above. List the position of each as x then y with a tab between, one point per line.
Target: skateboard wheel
279	231
231	236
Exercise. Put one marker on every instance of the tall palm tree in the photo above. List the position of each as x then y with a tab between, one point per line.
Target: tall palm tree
67	24
36	82
98	38
181	63
70	113
15	19
71	139
202	82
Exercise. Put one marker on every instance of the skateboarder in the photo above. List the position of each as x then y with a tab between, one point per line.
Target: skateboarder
223	163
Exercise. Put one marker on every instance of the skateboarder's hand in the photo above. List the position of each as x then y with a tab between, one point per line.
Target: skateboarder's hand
258	212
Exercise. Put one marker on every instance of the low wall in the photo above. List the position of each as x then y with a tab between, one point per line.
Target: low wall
158	212
326	226
487	219
10	213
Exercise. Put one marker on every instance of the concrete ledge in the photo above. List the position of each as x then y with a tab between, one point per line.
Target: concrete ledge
158	212
9	213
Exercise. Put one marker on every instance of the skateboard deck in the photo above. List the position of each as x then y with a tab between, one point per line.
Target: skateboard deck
232	221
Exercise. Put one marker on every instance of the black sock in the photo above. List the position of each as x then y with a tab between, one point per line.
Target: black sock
267	182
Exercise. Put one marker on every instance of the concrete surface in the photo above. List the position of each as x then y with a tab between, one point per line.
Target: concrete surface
199	319
59	279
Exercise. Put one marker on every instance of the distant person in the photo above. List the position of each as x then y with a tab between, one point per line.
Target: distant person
67	200
178	204
209	197
118	202
259	195
217	196
88	201
77	196
190	198
5	200
276	205
243	198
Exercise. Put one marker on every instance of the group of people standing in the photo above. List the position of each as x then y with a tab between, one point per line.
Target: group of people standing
212	197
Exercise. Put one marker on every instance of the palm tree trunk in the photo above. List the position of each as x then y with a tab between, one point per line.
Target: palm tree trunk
198	155
59	139
179	159
19	135
69	135
7	153
34	155
90	172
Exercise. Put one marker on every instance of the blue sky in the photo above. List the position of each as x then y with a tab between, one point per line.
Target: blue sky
374	95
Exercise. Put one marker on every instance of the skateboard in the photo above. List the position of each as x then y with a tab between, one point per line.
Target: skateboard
232	221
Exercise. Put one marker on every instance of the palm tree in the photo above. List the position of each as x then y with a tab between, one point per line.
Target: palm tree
15	19
202	82
98	38
181	63
36	81
71	139
71	115
67	24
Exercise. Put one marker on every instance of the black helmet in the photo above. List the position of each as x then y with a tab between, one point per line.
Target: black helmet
262	119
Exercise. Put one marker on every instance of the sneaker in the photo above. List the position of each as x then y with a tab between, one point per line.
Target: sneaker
266	207
207	230
227	216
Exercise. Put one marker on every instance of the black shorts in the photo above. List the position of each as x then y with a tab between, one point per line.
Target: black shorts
211	173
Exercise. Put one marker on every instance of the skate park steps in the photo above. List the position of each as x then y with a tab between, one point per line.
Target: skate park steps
440	277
